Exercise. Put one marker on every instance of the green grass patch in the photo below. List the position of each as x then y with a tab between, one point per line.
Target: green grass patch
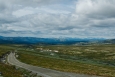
68	66
8	70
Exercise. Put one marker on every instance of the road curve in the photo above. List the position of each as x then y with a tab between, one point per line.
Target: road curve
42	71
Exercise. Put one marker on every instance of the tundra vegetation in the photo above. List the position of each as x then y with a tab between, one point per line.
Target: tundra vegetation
93	59
7	70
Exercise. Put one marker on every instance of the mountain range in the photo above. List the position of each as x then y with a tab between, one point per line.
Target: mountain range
52	41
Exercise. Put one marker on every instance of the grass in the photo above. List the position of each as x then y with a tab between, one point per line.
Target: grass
68	66
103	54
92	60
8	70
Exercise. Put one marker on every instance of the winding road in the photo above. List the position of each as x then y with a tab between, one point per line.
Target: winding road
42	71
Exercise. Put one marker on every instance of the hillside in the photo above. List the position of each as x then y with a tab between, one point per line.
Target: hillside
52	41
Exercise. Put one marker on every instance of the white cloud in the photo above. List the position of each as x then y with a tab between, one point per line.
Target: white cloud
96	8
45	18
22	12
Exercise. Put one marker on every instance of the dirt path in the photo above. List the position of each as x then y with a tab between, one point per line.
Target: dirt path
42	71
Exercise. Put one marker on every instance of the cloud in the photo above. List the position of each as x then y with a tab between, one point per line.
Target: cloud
29	3
55	18
96	8
98	13
22	12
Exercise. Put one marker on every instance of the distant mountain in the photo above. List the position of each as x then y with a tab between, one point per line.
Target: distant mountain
51	41
111	41
34	40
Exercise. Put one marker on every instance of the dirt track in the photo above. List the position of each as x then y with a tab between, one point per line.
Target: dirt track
42	71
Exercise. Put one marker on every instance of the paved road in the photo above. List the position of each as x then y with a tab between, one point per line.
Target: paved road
42	71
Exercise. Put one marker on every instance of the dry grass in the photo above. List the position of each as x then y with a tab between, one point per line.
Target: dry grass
68	66
8	70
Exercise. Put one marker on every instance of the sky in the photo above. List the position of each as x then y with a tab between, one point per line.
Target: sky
57	18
